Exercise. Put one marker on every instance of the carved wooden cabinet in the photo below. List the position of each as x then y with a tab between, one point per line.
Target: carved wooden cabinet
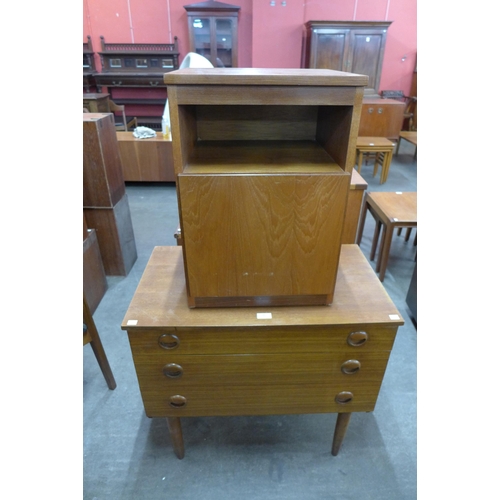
136	64
133	73
89	68
354	46
213	32
263	162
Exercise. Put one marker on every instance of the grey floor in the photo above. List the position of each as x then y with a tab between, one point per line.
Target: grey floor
129	456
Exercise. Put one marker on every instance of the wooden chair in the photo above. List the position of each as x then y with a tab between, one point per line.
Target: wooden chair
122	124
91	336
411	105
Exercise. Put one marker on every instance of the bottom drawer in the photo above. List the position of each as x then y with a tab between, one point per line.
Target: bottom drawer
261	400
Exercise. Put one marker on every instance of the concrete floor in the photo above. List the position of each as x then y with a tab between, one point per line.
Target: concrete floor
129	456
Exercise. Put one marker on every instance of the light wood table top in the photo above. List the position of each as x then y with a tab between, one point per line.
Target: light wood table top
394	207
409	136
374	142
161	299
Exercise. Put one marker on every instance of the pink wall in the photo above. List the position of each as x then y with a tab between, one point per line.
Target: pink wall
269	36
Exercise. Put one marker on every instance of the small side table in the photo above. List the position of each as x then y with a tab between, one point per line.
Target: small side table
390	210
411	137
382	148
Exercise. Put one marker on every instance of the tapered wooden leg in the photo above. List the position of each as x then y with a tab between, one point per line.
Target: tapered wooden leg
384	254
376	234
175	430
340	430
362	220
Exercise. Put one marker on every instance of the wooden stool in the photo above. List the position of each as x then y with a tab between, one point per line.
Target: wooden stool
390	210
411	137
382	148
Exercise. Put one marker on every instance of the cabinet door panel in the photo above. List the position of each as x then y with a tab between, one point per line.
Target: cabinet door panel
261	235
330	50
366	56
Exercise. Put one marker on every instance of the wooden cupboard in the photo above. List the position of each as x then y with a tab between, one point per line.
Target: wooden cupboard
382	118
354	46
263	162
213	32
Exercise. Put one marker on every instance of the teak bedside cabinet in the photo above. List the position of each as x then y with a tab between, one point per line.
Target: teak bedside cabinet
259	361
263	161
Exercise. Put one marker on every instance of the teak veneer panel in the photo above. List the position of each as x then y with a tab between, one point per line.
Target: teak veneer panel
298	219
103	182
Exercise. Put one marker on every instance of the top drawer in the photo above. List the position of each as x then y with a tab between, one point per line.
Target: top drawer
254	341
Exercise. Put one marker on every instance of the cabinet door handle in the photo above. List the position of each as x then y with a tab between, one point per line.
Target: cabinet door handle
169	341
357	339
177	401
380	111
117	83
153	84
370	110
350	366
344	397
173	370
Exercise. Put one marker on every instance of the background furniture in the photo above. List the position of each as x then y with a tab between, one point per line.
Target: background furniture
146	160
213	32
382	118
410	102
89	68
105	202
353	210
221	362
96	102
94	276
390	211
91	336
292	132
382	148
353	46
411	137
122	123
133	75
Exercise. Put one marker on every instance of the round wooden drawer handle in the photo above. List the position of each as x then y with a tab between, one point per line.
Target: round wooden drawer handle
172	370
169	341
177	401
350	366
344	397
357	339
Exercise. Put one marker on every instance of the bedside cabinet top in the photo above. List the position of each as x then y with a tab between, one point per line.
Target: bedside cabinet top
264	76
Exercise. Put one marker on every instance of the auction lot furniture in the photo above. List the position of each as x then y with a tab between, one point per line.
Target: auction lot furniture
390	211
355	46
382	148
411	137
105	202
382	118
259	361
146	160
263	160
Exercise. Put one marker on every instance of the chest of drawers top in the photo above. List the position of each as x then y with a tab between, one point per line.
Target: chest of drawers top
160	300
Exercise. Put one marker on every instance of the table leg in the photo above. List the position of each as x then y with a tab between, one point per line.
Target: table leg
175	430
384	254
362	219
340	430
376	234
385	168
397	147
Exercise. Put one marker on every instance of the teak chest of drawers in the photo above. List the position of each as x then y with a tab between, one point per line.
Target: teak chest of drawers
263	161
259	361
